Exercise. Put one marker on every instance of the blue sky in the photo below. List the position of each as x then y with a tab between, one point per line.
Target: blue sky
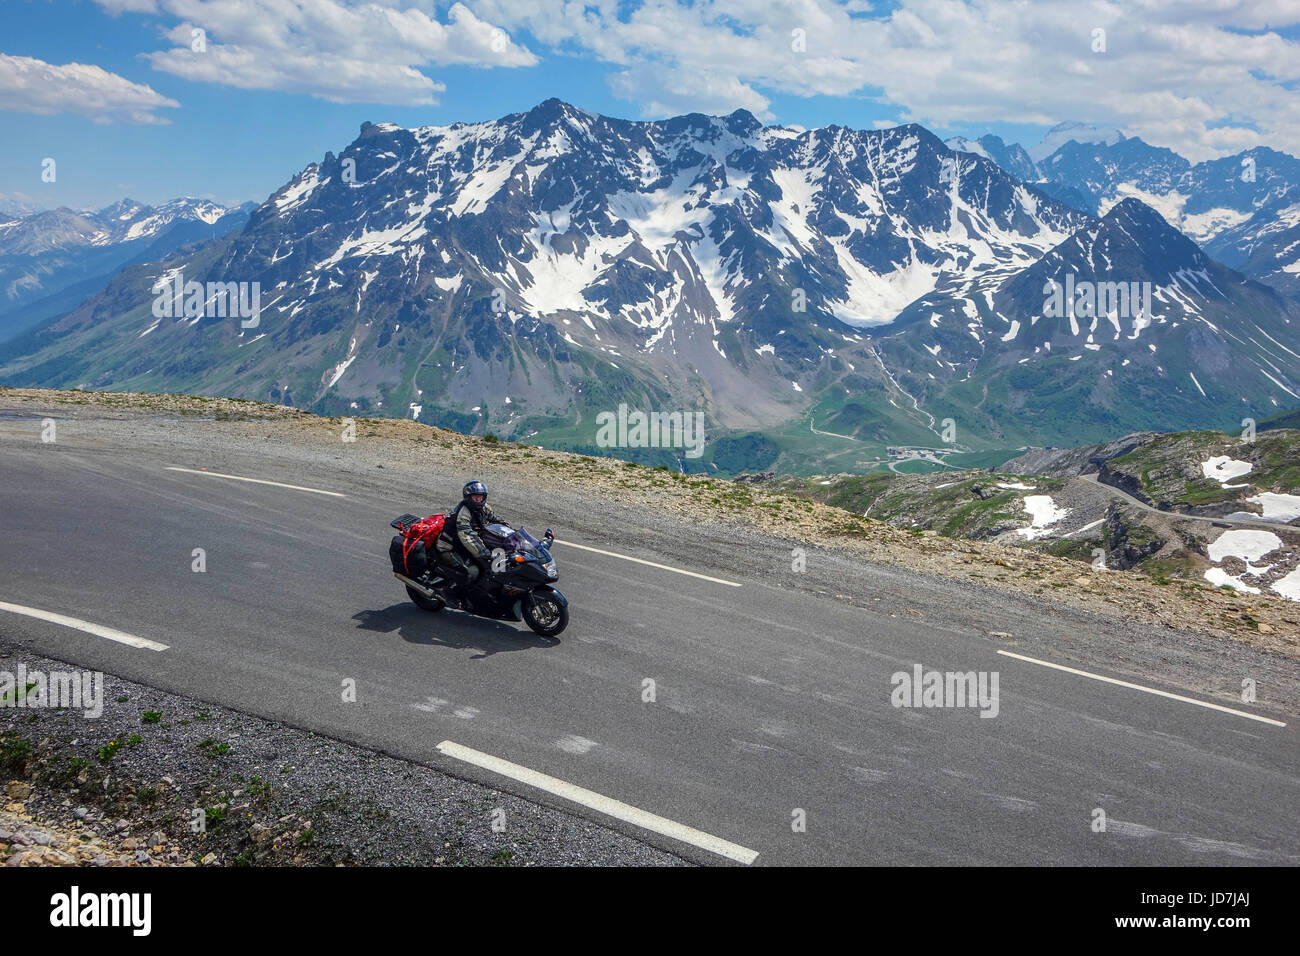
251	111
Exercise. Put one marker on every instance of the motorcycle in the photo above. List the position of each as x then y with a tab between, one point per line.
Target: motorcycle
520	586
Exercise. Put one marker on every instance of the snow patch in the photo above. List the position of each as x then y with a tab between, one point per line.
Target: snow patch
1289	586
339	370
1241	543
1221	468
1044	512
1281	508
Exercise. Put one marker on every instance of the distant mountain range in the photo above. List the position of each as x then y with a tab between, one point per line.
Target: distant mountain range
818	295
1244	209
1206	343
12	207
51	260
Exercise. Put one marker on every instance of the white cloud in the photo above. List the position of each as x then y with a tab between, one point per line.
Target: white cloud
29	85
333	49
685	90
1203	77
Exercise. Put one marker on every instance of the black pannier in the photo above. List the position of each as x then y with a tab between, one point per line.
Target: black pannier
408	555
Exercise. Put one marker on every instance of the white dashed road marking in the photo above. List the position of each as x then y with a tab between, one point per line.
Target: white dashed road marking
602	804
98	630
1145	690
256	481
663	567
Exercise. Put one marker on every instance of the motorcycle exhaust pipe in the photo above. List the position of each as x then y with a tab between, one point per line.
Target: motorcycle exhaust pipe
426	591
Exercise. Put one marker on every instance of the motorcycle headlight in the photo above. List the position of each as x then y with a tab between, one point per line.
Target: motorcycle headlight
550	569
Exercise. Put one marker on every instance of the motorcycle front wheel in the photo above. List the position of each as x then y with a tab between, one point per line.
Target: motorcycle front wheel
545	616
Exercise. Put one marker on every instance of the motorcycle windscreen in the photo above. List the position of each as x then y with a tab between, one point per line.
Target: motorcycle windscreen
523	541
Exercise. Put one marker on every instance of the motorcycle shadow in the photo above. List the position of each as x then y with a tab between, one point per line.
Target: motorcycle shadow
452	629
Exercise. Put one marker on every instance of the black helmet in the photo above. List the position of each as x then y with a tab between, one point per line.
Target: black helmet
474	488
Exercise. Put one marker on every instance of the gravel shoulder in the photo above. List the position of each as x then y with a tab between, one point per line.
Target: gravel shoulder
128	788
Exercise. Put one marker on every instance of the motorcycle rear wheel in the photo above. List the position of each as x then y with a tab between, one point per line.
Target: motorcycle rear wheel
547	618
423	602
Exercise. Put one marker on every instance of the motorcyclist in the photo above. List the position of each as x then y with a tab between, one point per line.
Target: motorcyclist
460	545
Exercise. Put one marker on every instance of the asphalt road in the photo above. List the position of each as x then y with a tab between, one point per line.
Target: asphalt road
1223	522
770	698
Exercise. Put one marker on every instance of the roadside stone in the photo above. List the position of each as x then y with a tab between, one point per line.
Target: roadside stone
18	790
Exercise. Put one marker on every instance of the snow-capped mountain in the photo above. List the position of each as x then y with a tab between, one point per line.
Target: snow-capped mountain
123	221
710	258
1013	157
1257	217
127	220
522	275
11	208
1106	173
1074	132
1126	324
51	260
1267	245
1243	209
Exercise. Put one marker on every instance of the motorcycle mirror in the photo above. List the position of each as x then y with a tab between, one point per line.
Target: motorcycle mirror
549	534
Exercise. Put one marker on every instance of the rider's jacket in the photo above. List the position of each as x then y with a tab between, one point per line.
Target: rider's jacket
462	528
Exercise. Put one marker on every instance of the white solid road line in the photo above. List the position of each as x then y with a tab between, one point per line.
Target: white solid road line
594	801
98	630
1147	690
257	481
662	567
